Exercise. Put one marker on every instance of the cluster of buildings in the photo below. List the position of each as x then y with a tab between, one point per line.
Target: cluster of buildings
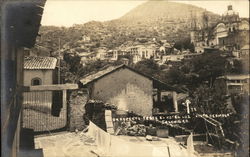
231	33
136	51
237	84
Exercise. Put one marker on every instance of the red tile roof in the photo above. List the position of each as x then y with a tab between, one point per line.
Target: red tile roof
35	62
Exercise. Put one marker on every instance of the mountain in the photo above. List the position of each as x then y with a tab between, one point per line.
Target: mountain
170	20
164	10
155	19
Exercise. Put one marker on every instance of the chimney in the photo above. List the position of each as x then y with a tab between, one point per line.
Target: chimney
230	7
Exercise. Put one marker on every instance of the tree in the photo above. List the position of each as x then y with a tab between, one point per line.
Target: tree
174	76
148	66
184	43
211	100
71	68
208	67
239	66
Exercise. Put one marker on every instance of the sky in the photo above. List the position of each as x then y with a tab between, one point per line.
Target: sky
69	12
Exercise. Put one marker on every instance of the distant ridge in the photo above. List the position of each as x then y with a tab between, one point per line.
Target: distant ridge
161	9
152	20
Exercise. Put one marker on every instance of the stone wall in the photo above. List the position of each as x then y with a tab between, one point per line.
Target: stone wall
77	101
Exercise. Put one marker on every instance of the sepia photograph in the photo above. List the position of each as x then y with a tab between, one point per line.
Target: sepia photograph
125	78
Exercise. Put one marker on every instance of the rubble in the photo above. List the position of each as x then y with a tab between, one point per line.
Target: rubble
132	129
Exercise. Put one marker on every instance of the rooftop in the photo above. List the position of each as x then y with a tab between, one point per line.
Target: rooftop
240	76
94	76
246	47
97	75
37	62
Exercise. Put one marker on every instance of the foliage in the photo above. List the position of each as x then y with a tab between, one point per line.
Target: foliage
211	100
148	66
239	67
208	67
184	44
72	69
174	76
236	127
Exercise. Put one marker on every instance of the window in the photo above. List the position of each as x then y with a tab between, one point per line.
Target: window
36	81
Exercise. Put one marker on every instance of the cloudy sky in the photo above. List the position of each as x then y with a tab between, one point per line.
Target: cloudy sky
69	12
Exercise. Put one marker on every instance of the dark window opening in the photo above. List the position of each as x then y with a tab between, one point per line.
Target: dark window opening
36	81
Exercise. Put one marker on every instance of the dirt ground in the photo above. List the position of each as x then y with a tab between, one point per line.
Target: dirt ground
65	144
68	144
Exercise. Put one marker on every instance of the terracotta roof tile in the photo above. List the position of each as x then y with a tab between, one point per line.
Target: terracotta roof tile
246	47
35	62
91	77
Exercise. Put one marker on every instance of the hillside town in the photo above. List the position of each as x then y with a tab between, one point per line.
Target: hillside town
176	89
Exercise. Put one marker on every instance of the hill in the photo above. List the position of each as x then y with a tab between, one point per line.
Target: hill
167	20
163	10
159	20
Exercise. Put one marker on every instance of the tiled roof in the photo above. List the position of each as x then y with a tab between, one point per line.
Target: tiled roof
91	77
246	47
35	62
97	75
237	77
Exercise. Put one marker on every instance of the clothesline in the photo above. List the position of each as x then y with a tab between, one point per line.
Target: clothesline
172	118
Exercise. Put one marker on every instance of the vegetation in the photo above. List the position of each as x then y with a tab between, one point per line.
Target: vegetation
148	67
184	44
72	70
199	76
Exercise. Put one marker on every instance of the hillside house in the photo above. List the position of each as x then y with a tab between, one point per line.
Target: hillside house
101	53
130	90
39	71
140	52
237	84
175	58
86	38
166	48
112	55
244	52
87	56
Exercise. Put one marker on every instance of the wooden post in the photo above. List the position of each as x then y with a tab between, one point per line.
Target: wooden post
64	99
206	138
64	103
59	63
169	152
175	101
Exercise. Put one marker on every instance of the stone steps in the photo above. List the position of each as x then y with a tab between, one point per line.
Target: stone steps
109	123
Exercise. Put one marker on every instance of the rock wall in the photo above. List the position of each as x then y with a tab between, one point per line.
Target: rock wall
77	101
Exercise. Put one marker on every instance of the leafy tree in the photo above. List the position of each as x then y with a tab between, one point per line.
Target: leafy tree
208	67
71	68
235	68
148	66
174	76
74	62
184	43
211	100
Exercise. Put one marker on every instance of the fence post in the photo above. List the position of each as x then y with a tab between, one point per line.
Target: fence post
175	101
64	98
